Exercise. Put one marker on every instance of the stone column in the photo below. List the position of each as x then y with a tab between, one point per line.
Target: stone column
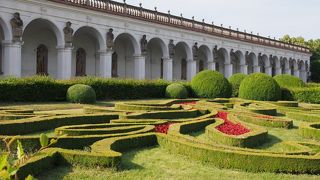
105	57
256	68
212	66
296	72
64	62
139	66
191	69
303	75
228	70
167	69
269	70
244	68
11	58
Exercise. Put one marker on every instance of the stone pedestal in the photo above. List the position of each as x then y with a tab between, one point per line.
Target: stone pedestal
228	70
256	69
244	68
191	69
212	66
64	61
139	67
11	58
105	63
167	69
269	70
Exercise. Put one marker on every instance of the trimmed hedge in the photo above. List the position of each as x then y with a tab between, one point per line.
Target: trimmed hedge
287	81
260	86
236	158
211	84
235	81
81	93
311	130
38	124
177	114
303	116
176	91
255	137
47	89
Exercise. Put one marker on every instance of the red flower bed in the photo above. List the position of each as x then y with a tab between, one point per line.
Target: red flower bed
189	103
230	128
163	128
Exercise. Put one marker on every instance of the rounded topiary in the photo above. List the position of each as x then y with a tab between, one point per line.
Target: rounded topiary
287	81
81	93
260	86
235	81
176	91
211	84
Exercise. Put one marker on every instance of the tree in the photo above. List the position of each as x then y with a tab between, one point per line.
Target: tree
314	46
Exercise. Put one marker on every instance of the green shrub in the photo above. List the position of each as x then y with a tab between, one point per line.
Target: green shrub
176	91
235	81
211	84
307	95
81	93
287	81
260	86
315	70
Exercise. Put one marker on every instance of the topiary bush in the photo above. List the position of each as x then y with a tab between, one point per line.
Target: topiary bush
81	93
211	84
176	91
287	81
235	81
260	86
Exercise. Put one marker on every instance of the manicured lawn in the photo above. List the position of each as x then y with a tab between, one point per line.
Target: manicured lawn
158	163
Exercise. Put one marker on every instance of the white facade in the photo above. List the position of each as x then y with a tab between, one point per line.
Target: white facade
44	22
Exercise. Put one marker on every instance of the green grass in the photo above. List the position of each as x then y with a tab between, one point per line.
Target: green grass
158	163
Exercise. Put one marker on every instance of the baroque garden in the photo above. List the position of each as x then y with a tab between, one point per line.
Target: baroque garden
96	89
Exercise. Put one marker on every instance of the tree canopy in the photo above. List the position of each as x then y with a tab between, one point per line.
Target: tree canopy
314	46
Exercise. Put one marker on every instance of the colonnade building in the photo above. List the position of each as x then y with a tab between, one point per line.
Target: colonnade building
68	38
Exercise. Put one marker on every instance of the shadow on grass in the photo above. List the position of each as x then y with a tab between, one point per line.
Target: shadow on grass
127	160
271	141
56	173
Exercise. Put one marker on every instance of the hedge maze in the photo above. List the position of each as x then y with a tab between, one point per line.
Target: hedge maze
227	133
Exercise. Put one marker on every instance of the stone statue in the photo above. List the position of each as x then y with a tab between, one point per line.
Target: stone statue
17	27
81	62
183	69
110	39
195	51
68	34
143	44
171	49
42	60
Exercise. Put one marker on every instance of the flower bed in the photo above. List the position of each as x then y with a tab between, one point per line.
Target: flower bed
163	128
229	127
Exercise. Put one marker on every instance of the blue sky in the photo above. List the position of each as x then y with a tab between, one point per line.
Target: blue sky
273	18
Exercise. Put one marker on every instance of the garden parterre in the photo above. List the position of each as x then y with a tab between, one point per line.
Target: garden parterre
100	135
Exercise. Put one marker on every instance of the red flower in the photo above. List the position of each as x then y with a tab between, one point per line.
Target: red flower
228	127
163	128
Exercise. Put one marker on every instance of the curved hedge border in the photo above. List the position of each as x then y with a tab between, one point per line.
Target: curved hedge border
308	117
311	130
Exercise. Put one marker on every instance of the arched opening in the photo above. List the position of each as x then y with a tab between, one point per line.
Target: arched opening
42	60
250	59
40	39
273	66
114	72
125	46
236	58
263	63
87	42
1	49
81	62
222	55
154	58
291	66
180	61
283	62
203	58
